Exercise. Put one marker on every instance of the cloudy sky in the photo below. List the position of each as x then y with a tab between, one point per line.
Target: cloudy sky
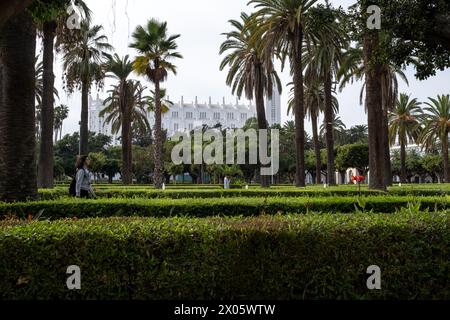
200	23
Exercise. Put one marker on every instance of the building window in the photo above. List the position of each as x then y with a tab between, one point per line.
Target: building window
175	114
243	116
274	114
176	127
191	127
189	115
216	115
230	116
202	115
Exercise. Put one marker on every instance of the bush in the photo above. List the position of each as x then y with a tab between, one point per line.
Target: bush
292	257
71	207
135	192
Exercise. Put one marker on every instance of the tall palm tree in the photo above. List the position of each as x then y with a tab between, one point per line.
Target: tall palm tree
314	104
325	55
156	50
354	68
249	71
283	24
61	114
17	108
125	105
404	126
82	63
437	127
39	90
56	15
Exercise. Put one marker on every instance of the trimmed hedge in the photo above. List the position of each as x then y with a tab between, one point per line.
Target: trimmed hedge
291	257
221	193
72	207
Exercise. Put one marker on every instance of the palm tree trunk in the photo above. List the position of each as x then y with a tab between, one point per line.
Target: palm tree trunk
45	164
402	161
374	112
84	130
17	109
331	172
158	175
299	111
126	148
315	133
261	113
445	158
11	8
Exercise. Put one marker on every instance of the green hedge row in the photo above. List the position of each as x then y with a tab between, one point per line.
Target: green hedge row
71	207
221	193
291	257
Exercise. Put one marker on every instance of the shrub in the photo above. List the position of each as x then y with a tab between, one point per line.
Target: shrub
133	192
70	207
291	257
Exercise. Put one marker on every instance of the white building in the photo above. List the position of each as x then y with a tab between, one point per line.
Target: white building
184	116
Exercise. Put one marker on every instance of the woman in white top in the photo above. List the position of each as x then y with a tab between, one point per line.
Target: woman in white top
83	186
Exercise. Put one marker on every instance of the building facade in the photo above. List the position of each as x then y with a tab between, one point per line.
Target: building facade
186	116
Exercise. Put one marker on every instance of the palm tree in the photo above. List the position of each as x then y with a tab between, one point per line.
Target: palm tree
358	134
10	8
39	89
39	86
437	127
249	71
17	108
325	55
354	68
48	24
156	50
337	125
404	126
283	25
61	114
125	105
314	105
82	63
165	102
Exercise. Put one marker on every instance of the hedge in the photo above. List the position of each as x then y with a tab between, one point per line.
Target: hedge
72	207
221	193
291	257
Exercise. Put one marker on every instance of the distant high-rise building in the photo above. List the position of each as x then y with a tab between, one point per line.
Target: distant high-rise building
273	108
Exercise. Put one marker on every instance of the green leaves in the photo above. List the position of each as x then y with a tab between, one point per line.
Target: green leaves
232	203
312	256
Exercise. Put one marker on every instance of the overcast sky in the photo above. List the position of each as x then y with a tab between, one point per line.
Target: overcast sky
200	23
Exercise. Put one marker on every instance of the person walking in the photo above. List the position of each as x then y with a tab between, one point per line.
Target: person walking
83	187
